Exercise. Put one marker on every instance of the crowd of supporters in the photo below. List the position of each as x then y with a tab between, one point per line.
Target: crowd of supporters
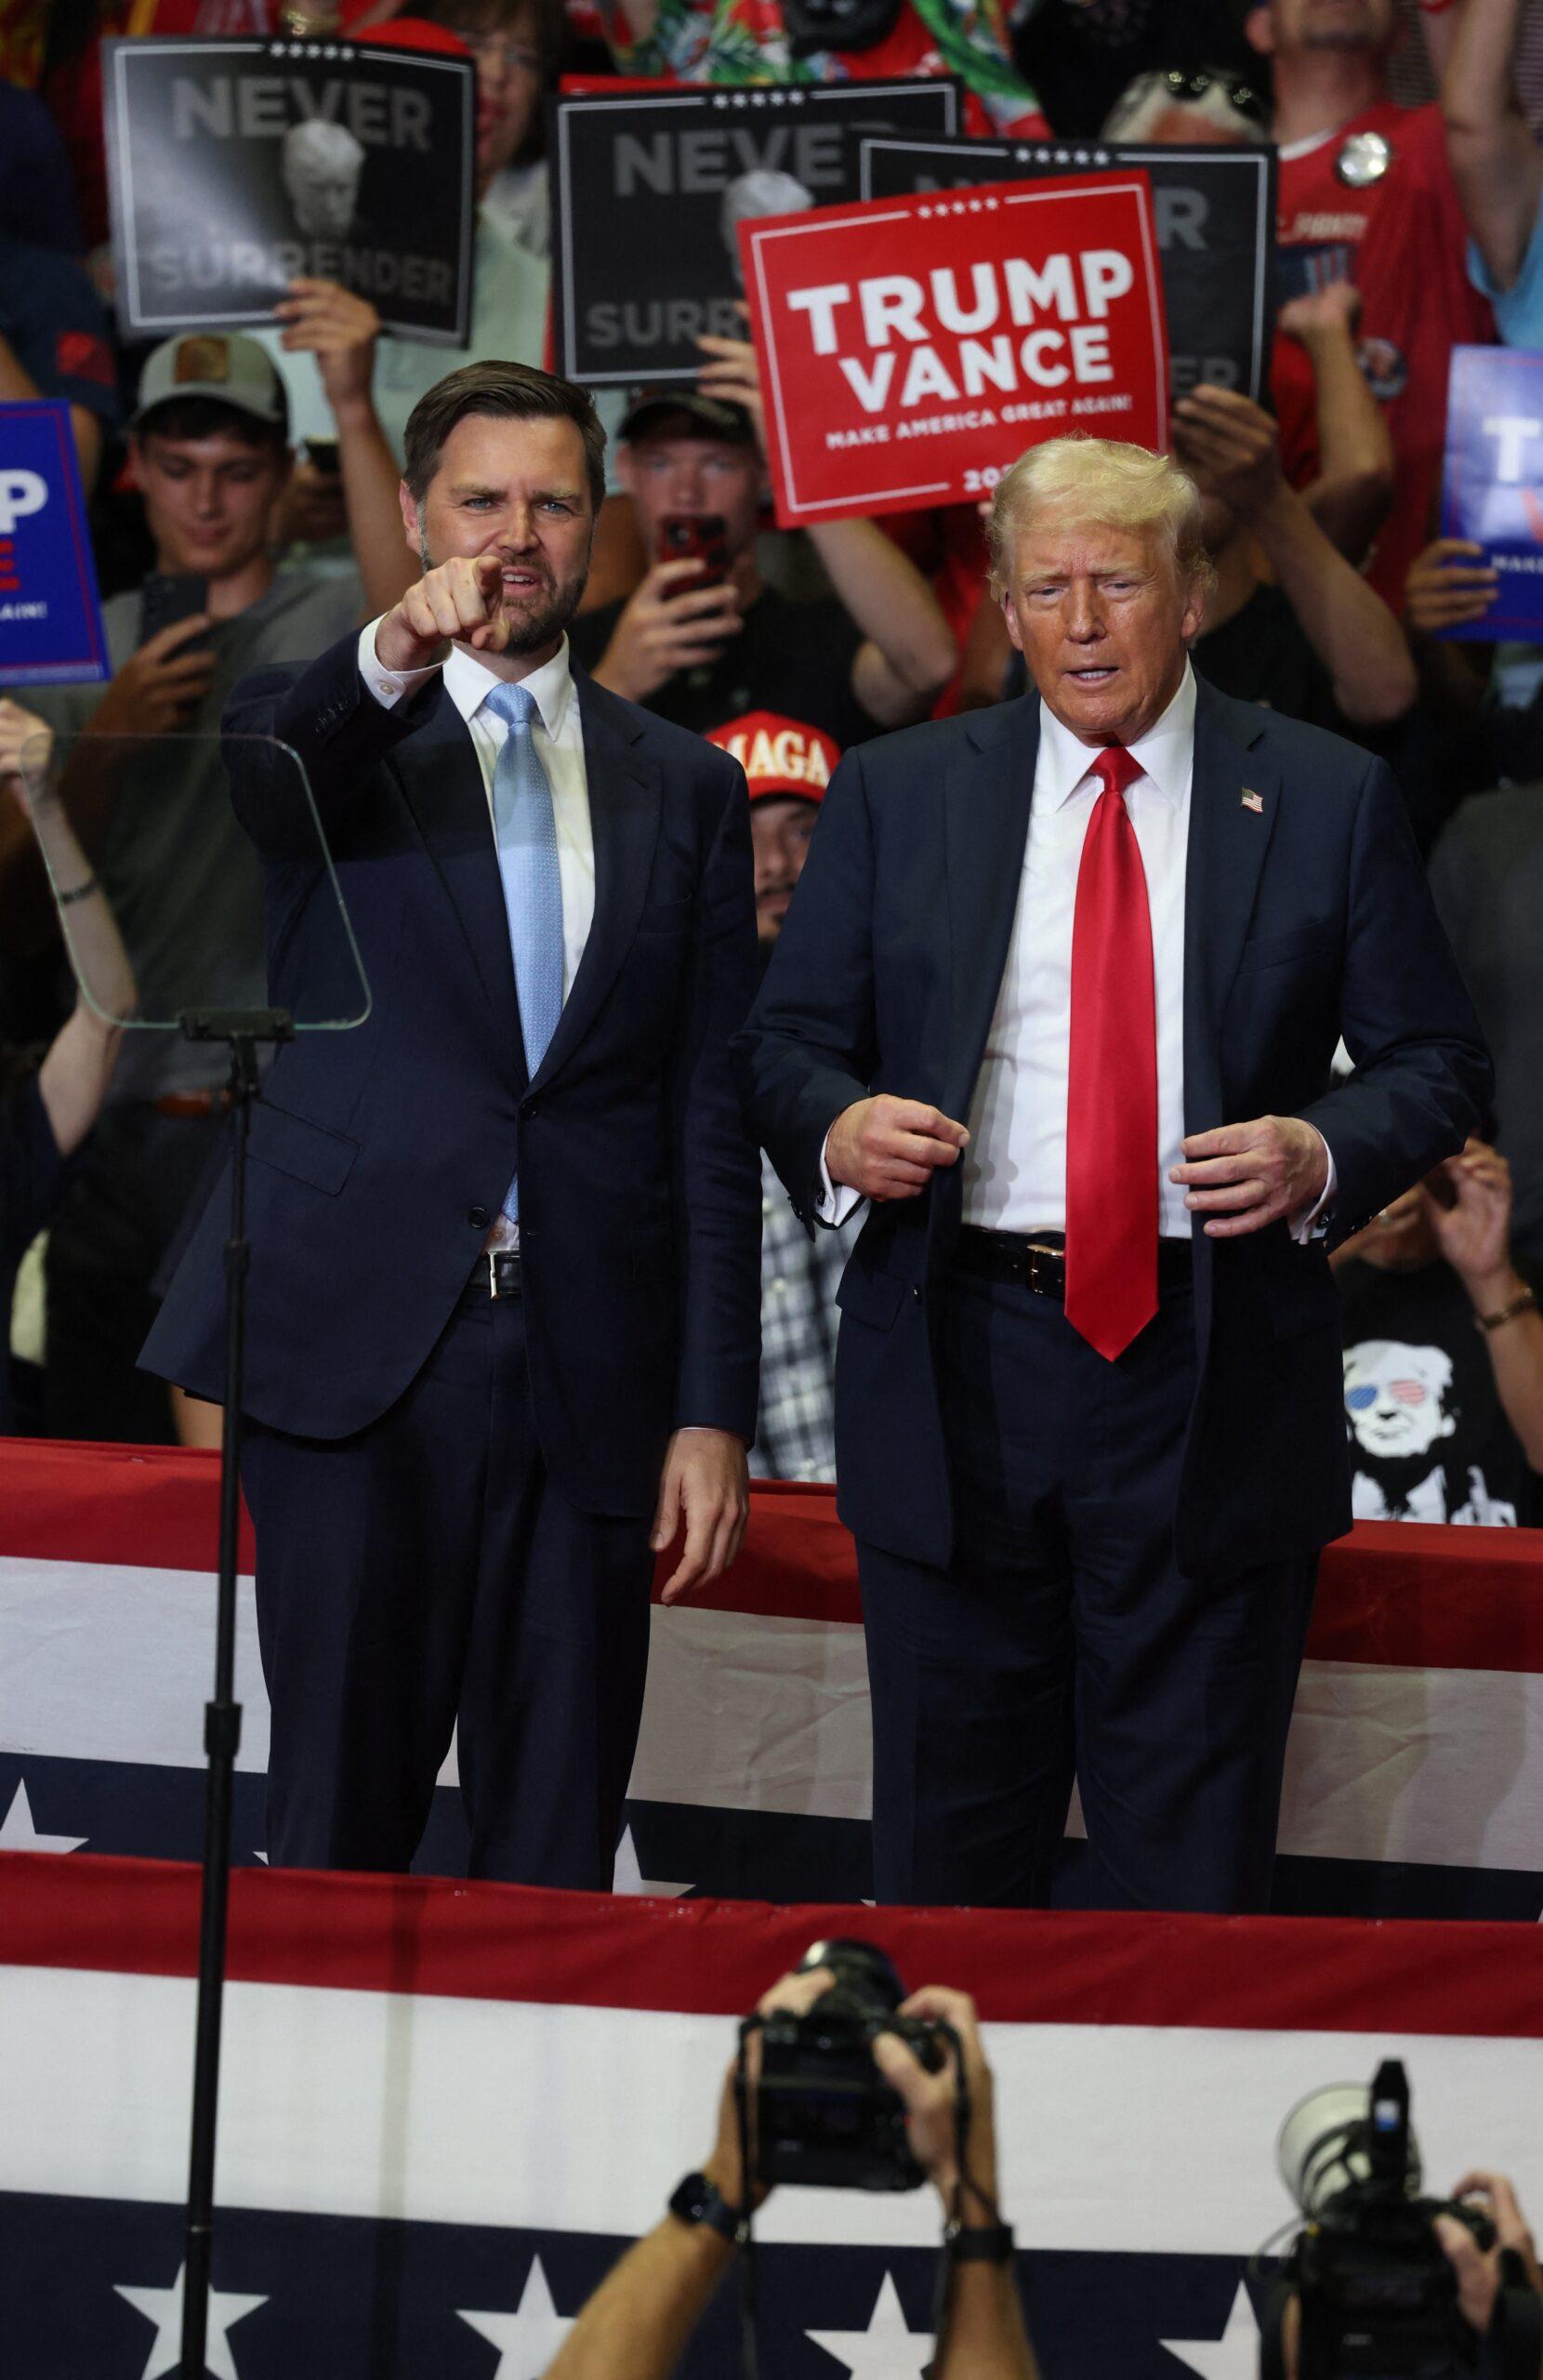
266	467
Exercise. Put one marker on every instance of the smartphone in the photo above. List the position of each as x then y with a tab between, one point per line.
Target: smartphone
695	537
322	453
165	597
1441	1187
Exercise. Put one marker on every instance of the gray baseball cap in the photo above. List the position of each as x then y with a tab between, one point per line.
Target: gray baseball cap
221	365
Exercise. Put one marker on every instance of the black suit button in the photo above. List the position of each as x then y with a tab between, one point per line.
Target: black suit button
530	1108
478	1218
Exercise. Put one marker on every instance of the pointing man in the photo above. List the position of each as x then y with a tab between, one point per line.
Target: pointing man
504	1287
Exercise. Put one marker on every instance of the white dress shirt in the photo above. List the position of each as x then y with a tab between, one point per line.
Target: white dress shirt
557	733
1014	1169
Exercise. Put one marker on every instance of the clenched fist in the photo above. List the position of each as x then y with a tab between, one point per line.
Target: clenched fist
458	602
890	1148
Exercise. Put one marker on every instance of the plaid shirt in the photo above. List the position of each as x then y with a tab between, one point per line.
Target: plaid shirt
795	1436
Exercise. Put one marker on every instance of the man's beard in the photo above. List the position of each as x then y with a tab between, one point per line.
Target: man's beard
547	624
541	627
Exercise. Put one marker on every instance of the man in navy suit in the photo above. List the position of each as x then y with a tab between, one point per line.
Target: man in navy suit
1057	995
505	1282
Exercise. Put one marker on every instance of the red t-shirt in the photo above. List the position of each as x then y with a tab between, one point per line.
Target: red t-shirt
1406	243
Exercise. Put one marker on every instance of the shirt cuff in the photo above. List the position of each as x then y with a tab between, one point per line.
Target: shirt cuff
388	686
834	1207
1312	1222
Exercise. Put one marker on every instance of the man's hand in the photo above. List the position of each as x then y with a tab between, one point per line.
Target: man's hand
705	1489
932	2104
26	747
732	376
1478	2270
890	1148
159	686
1441	593
1474	1234
1248	1176
662	630
1228	446
1332	312
725	2167
459	599
321	318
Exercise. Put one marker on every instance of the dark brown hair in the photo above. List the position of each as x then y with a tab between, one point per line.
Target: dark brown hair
549	21
503	393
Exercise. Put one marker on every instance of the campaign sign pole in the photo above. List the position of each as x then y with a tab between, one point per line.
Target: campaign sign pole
911	348
1215	211
1492	493
51	613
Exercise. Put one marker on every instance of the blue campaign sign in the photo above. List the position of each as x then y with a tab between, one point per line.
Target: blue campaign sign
1493	492
50	613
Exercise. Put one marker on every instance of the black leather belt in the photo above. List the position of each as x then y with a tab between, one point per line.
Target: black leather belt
496	1275
1037	1260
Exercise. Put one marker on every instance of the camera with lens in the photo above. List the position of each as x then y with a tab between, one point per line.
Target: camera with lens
1378	2296
823	2112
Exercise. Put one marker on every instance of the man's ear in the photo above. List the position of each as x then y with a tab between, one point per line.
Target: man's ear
1259	32
132	467
1011	617
409	518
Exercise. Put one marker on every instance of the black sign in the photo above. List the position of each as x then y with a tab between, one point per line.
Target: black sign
235	165
1215	210
649	189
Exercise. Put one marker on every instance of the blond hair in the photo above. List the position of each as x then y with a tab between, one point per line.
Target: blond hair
1104	481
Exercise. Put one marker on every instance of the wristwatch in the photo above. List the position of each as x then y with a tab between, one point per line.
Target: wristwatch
991	2243
699	2200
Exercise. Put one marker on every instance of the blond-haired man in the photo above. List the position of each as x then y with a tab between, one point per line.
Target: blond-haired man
1057	998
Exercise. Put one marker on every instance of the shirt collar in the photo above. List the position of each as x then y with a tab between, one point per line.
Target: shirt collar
468	682
1165	752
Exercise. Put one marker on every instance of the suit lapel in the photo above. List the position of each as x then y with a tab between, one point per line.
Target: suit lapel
442	781
624	813
1233	798
987	792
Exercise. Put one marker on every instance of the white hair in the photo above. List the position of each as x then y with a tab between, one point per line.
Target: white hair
1106	483
319	151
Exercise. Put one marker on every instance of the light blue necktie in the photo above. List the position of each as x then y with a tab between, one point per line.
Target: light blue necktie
525	832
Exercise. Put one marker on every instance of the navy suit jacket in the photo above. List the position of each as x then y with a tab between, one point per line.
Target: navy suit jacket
1303	920
379	1156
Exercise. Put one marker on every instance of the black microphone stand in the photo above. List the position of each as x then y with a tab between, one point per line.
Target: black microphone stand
244	1032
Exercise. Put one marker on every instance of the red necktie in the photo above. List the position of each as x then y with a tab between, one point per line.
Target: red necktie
1111	1095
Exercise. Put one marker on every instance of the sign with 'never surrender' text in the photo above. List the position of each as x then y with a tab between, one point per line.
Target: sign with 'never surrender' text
236	167
911	348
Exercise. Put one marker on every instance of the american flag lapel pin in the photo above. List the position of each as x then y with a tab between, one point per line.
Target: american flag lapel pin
1252	801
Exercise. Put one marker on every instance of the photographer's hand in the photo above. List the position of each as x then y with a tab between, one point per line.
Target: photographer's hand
638	2320
985	2337
796	1993
1478	2270
932	2104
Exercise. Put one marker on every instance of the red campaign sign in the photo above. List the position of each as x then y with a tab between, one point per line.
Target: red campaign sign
911	348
